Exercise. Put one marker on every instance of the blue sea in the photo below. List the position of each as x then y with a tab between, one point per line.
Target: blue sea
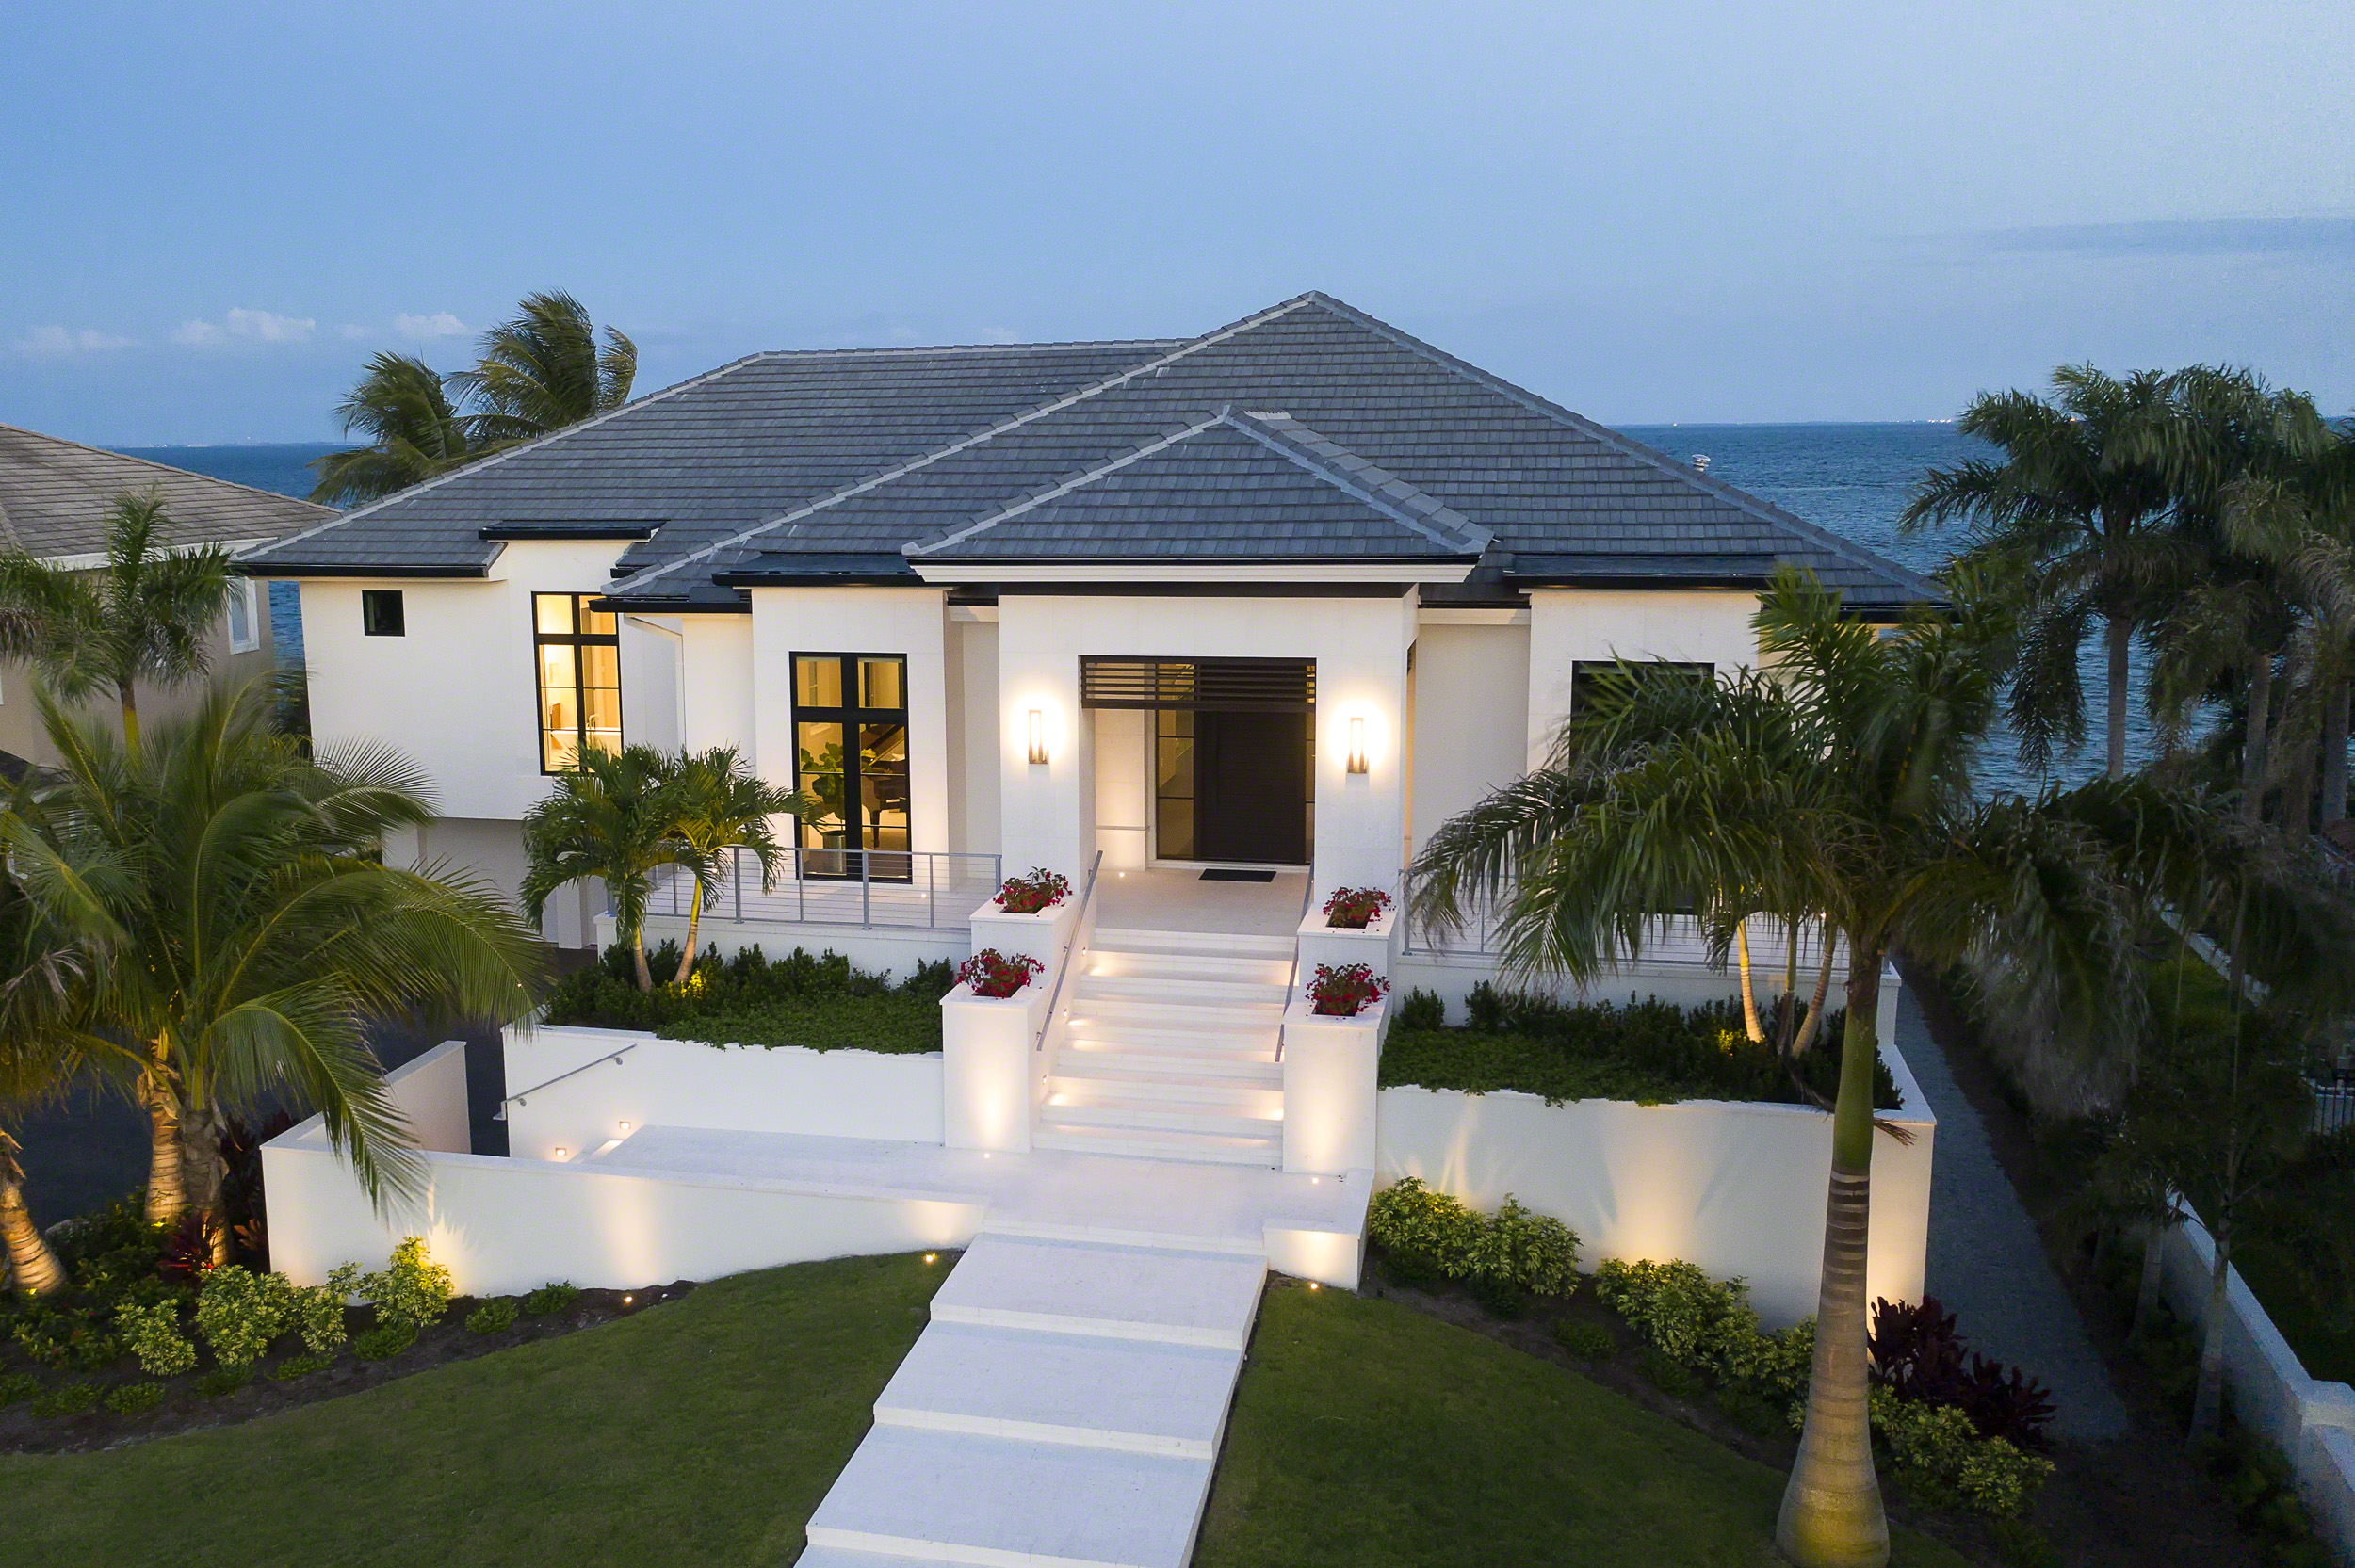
1853	479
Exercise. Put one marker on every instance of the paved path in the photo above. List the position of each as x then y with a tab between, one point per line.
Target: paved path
1987	1263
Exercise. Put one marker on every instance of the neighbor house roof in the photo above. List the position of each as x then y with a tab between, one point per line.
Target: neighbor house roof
1307	432
54	495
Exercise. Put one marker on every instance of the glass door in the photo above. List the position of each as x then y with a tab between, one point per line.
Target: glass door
851	753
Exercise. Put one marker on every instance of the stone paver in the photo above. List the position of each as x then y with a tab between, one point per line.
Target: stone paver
1987	1263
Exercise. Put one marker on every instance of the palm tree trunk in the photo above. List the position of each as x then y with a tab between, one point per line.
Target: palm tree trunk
1750	997
2120	635
1787	1005
2207	1405
2154	1278
2252	761
129	713
638	954
33	1267
167	1188
1832	1509
200	1138
2335	753
1823	990
694	914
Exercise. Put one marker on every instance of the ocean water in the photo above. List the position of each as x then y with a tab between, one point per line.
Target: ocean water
1854	479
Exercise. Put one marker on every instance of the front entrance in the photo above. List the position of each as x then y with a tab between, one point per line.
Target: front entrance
1232	752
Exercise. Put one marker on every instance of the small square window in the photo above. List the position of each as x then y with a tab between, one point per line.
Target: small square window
381	613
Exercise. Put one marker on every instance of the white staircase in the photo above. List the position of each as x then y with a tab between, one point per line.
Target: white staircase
1170	1050
1062	1409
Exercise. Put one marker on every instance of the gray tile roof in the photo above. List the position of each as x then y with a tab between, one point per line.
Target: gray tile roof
54	495
1307	432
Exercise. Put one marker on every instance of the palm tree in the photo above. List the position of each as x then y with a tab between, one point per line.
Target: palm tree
402	405
721	807
614	817
2072	520
1843	781
543	369
148	614
263	933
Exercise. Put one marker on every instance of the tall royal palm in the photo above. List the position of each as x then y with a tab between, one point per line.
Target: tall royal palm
148	614
1841	782
2071	520
264	936
614	817
545	369
402	406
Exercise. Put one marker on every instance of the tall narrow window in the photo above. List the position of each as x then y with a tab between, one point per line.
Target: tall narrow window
579	657
244	635
851	752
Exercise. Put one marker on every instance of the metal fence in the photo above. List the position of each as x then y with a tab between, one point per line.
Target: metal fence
2334	1106
1676	939
892	889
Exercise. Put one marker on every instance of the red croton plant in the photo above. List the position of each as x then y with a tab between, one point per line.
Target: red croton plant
1355	908
1042	889
991	973
1346	991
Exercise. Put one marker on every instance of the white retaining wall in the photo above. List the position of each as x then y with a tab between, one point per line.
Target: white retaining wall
1736	1189
2312	1423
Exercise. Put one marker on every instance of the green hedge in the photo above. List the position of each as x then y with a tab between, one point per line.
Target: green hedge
822	1002
1650	1052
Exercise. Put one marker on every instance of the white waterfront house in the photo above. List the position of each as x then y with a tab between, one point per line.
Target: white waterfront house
1211	627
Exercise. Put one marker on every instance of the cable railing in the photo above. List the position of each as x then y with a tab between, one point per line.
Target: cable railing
871	889
1676	938
1063	968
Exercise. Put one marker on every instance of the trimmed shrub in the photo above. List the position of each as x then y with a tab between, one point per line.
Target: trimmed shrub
1586	1341
240	1311
550	1298
1677	1309
1421	1009
385	1341
1940	1457
491	1317
66	1399
410	1289
318	1311
1501	1297
1408	1218
821	1003
1512	1252
133	1398
222	1381
18	1386
300	1366
1918	1355
1534	1252
1667	1374
153	1332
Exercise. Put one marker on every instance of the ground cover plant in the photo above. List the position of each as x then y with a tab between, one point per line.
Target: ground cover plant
821	1003
1648	1051
679	1436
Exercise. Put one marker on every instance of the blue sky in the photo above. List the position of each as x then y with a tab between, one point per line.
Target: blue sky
1653	212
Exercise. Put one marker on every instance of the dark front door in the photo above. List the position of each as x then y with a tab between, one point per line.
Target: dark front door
1251	786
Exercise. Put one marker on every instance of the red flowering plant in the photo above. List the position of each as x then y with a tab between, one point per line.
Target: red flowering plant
1042	889
1346	991
1354	908
991	973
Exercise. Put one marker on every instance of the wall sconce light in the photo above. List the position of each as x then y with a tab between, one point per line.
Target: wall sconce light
1358	744
1038	739
559	1151
624	1129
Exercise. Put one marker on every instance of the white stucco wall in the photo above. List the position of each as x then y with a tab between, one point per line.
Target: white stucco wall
913	621
652	674
1471	703
1360	648
973	729
716	684
458	691
1697	625
1124	787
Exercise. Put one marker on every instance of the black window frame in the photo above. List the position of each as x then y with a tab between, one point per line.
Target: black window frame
374	601
576	638
1584	671
855	856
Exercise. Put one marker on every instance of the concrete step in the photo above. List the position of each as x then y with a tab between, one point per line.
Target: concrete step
1144	1293
1182	991
1203	1015
1125	1395
1191	1148
941	1496
1112	1021
1249	1064
1060	1114
1085	1075
1133	939
1231	967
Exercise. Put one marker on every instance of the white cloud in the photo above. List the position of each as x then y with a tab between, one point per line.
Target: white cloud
440	324
197	334
1001	334
351	334
244	326
61	340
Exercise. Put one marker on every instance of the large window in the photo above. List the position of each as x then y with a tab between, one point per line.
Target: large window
850	751
1592	678
579	657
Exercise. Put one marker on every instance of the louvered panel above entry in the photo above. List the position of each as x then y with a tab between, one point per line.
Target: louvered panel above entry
1262	685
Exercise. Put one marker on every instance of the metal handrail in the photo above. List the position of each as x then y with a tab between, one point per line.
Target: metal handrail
517	1098
1064	968
928	889
1292	983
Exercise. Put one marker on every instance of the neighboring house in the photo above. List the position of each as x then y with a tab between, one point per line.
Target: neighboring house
54	497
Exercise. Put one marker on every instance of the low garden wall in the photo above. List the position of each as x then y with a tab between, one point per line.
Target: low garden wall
1737	1188
2312	1423
508	1225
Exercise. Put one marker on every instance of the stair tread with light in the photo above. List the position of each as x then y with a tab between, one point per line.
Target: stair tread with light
1091	1073
1122	1394
1189	992
1161	1143
1138	940
1161	1116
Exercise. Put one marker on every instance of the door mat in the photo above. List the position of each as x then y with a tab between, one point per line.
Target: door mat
1219	874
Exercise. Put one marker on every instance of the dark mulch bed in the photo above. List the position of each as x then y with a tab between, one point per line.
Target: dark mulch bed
186	1408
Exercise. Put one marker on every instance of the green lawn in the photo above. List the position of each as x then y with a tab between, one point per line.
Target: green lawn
706	1432
1365	1433
702	1433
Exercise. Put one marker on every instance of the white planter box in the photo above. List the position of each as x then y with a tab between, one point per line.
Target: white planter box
1375	945
986	1045
1041	936
1330	1074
